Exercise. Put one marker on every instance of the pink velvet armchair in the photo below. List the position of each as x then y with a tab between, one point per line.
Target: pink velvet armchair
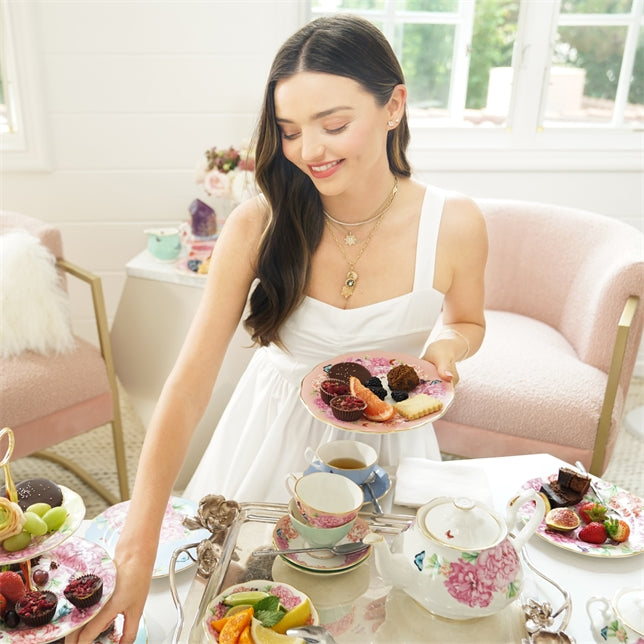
564	295
49	397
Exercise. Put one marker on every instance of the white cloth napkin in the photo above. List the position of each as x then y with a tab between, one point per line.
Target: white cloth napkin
419	480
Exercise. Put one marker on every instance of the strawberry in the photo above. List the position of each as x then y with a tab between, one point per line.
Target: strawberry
3	605
593	532
617	529
11	586
590	511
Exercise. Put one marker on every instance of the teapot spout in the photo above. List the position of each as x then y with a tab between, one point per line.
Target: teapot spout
393	568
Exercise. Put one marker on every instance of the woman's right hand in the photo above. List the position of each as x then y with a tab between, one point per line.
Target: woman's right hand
132	585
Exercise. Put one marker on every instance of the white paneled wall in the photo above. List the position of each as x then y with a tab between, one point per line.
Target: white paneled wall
134	91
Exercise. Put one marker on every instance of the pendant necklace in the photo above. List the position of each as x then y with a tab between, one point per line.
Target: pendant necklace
349	238
352	276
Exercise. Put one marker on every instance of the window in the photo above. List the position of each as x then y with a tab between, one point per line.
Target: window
22	136
516	73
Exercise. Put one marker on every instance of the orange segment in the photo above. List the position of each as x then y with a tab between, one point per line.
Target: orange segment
377	410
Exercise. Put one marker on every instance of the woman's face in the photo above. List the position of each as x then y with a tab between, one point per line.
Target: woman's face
332	130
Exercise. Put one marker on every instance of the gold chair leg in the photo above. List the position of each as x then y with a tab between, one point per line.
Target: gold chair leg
80	472
614	373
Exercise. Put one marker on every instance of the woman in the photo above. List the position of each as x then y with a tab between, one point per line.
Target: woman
350	254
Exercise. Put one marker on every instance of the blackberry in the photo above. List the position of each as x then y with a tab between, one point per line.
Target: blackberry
399	395
381	392
194	264
374	381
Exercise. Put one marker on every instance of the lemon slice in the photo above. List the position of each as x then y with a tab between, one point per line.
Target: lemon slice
250	597
297	616
263	635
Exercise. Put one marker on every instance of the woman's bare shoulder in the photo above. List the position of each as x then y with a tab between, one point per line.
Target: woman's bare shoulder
463	220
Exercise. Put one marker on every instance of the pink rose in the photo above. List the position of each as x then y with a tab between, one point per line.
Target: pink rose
466	587
498	566
216	183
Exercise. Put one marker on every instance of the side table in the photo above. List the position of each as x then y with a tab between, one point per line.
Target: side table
156	308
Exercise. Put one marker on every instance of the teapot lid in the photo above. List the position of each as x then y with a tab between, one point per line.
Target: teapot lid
462	523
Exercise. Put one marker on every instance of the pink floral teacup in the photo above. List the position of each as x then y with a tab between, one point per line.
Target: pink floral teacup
619	620
324	499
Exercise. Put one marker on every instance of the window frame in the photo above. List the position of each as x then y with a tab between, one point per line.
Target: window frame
525	142
25	146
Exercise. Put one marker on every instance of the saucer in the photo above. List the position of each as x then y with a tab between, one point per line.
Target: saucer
285	536
380	486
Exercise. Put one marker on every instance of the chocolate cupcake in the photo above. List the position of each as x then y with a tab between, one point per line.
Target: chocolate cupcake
347	408
37	607
331	388
84	591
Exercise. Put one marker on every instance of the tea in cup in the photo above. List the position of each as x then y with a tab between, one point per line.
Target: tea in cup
352	459
314	536
619	620
325	499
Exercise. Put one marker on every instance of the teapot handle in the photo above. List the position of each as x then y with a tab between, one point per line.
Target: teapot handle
598	618
522	536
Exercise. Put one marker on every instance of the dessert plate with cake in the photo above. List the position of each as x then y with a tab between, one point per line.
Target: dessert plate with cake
401	392
580	510
75	557
71	501
106	528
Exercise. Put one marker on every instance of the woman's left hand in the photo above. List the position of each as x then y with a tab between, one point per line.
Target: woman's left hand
441	354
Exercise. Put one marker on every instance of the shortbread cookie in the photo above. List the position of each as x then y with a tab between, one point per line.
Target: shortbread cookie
418	406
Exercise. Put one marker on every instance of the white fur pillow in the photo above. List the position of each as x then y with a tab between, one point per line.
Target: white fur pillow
34	308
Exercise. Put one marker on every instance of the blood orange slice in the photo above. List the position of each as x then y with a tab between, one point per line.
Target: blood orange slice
377	410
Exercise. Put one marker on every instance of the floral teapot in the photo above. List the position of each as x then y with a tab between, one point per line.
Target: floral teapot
458	559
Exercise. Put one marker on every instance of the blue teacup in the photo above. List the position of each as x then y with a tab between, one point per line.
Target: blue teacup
352	459
164	243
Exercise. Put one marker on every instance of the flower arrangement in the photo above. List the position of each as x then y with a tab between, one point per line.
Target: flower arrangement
228	173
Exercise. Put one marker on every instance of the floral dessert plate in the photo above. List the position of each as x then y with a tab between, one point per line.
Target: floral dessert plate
75	507
75	556
380	486
285	536
199	252
106	528
630	507
379	363
289	597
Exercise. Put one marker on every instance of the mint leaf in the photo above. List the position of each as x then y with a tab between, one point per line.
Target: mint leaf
269	603
269	618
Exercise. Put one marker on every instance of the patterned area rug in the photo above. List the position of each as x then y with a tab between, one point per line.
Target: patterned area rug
625	468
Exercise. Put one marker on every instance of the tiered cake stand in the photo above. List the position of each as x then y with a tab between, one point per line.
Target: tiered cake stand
62	555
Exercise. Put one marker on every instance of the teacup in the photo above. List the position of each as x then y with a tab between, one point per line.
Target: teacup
352	459
324	499
314	536
619	620
164	243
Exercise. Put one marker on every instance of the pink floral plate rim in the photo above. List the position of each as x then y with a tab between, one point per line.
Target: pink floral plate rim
75	556
379	363
105	530
631	507
290	597
198	250
286	536
75	507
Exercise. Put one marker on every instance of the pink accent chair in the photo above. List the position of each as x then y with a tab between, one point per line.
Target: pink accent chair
564	293
46	399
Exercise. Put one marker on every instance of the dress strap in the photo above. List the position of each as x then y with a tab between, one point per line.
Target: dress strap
430	219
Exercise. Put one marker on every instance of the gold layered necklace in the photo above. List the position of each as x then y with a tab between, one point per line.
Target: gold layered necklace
352	276
349	238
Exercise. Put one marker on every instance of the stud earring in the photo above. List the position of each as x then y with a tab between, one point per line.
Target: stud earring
390	123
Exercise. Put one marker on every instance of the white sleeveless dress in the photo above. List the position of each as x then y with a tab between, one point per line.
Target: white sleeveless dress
265	427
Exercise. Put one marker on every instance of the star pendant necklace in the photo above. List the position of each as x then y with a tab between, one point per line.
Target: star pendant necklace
352	276
349	238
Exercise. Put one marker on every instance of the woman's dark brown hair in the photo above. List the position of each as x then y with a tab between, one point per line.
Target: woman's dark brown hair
346	46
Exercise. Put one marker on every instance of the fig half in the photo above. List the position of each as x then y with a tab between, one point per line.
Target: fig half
562	519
